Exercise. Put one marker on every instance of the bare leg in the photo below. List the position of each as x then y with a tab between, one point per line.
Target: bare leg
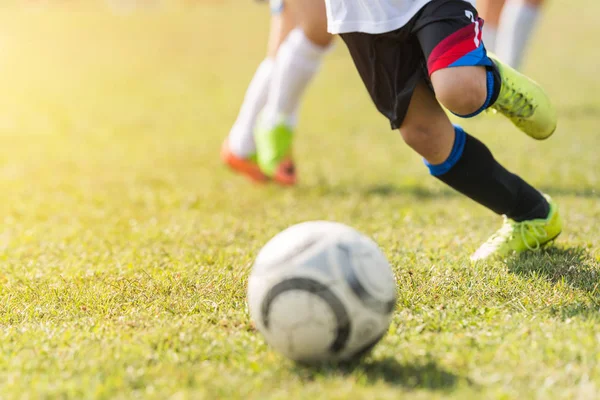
426	127
464	163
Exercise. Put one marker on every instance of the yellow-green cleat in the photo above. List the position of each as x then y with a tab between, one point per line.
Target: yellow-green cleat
274	152
525	103
517	237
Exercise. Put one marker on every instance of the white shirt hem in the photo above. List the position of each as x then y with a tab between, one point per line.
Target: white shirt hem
371	27
336	27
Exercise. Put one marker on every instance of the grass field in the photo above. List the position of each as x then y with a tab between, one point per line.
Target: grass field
125	246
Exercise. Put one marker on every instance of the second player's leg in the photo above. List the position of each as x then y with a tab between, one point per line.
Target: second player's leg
297	61
239	149
312	18
298	58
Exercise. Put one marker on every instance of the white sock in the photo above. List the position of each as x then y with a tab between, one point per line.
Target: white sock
489	37
297	61
517	23
241	136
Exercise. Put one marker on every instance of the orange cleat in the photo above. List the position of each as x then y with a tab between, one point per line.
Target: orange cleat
244	166
285	174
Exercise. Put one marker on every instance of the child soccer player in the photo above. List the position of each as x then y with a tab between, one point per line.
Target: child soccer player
261	147
508	27
416	55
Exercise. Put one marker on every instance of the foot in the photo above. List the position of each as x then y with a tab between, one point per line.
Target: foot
244	166
274	150
525	103
517	237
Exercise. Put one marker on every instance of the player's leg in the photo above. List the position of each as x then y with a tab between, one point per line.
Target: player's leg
465	164
296	63
454	157
516	26
489	11
239	150
467	80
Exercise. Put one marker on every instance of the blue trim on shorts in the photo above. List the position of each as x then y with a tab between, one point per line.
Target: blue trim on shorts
477	57
460	138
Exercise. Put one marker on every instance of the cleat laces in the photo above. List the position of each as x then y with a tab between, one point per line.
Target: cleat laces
514	103
530	232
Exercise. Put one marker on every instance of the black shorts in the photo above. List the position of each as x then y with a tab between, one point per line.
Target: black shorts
443	34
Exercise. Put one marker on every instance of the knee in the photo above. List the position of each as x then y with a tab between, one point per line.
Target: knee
462	93
313	21
316	32
432	141
418	137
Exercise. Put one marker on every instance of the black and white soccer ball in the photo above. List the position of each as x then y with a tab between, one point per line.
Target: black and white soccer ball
321	291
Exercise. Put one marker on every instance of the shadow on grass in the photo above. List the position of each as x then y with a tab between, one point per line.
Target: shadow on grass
587	193
415	191
573	266
385	190
389	370
423	193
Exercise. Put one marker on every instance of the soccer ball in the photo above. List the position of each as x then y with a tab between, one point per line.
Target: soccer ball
321	291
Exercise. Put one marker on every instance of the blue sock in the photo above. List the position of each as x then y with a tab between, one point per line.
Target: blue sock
455	154
491	94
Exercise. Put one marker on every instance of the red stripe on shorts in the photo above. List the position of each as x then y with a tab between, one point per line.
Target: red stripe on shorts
455	46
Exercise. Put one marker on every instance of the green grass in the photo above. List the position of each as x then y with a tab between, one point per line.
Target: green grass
125	246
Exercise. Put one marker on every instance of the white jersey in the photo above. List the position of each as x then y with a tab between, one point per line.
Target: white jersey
371	16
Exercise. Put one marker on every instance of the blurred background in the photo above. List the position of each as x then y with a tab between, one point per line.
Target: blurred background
122	106
125	243
99	95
